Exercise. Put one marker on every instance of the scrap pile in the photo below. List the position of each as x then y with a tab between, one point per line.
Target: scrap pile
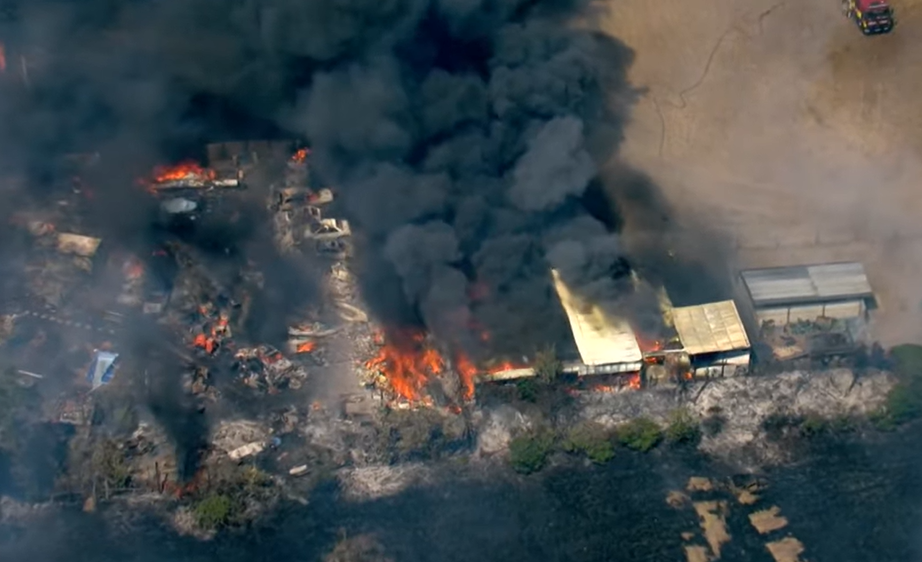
265	368
197	382
213	328
297	210
59	261
824	337
132	294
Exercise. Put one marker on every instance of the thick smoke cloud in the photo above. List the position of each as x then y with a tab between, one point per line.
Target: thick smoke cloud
462	150
461	134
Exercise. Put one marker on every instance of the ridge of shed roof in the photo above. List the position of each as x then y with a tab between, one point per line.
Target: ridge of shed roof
807	283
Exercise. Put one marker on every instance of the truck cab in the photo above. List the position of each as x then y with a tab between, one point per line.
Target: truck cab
871	16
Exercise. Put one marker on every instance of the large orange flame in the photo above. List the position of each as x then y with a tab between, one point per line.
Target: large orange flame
407	362
182	171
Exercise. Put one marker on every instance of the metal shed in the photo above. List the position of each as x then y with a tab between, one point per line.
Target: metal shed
714	338
606	344
784	295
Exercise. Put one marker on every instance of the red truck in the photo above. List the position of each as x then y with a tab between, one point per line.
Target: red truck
871	16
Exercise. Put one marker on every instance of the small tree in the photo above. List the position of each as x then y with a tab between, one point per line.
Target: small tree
528	453
214	511
547	367
683	428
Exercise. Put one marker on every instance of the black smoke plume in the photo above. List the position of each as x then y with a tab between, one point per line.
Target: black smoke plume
461	135
463	141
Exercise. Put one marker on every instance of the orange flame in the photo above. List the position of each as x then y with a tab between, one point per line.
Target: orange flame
182	171
503	367
305	347
634	381
204	342
2	57
408	363
466	372
300	156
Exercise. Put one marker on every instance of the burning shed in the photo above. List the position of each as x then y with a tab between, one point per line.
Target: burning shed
714	338
605	344
804	293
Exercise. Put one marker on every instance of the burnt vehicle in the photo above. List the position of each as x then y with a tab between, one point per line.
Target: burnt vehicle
872	17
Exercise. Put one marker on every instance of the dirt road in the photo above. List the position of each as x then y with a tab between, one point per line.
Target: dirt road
780	125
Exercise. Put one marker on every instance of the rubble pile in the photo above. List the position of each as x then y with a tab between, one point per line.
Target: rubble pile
298	215
59	261
265	368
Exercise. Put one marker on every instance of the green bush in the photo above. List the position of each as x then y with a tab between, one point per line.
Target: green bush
592	440
214	511
641	434
683	428
527	390
904	401
529	452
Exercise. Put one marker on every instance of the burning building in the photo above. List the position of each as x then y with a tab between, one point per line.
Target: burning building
606	345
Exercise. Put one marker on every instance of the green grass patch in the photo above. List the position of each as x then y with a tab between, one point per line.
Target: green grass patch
640	434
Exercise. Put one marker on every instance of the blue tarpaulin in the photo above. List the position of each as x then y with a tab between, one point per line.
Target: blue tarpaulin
102	368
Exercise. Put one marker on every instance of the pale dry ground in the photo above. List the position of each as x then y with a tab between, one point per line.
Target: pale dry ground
782	126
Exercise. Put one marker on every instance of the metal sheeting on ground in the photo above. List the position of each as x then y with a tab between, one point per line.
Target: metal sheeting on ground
102	369
710	328
807	283
84	246
600	340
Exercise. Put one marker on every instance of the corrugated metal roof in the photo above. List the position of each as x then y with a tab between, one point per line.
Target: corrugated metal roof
600	340
807	283
710	328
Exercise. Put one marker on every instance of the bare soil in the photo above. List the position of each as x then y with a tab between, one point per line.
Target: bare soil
779	126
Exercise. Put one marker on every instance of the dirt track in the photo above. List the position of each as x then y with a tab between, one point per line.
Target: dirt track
781	126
